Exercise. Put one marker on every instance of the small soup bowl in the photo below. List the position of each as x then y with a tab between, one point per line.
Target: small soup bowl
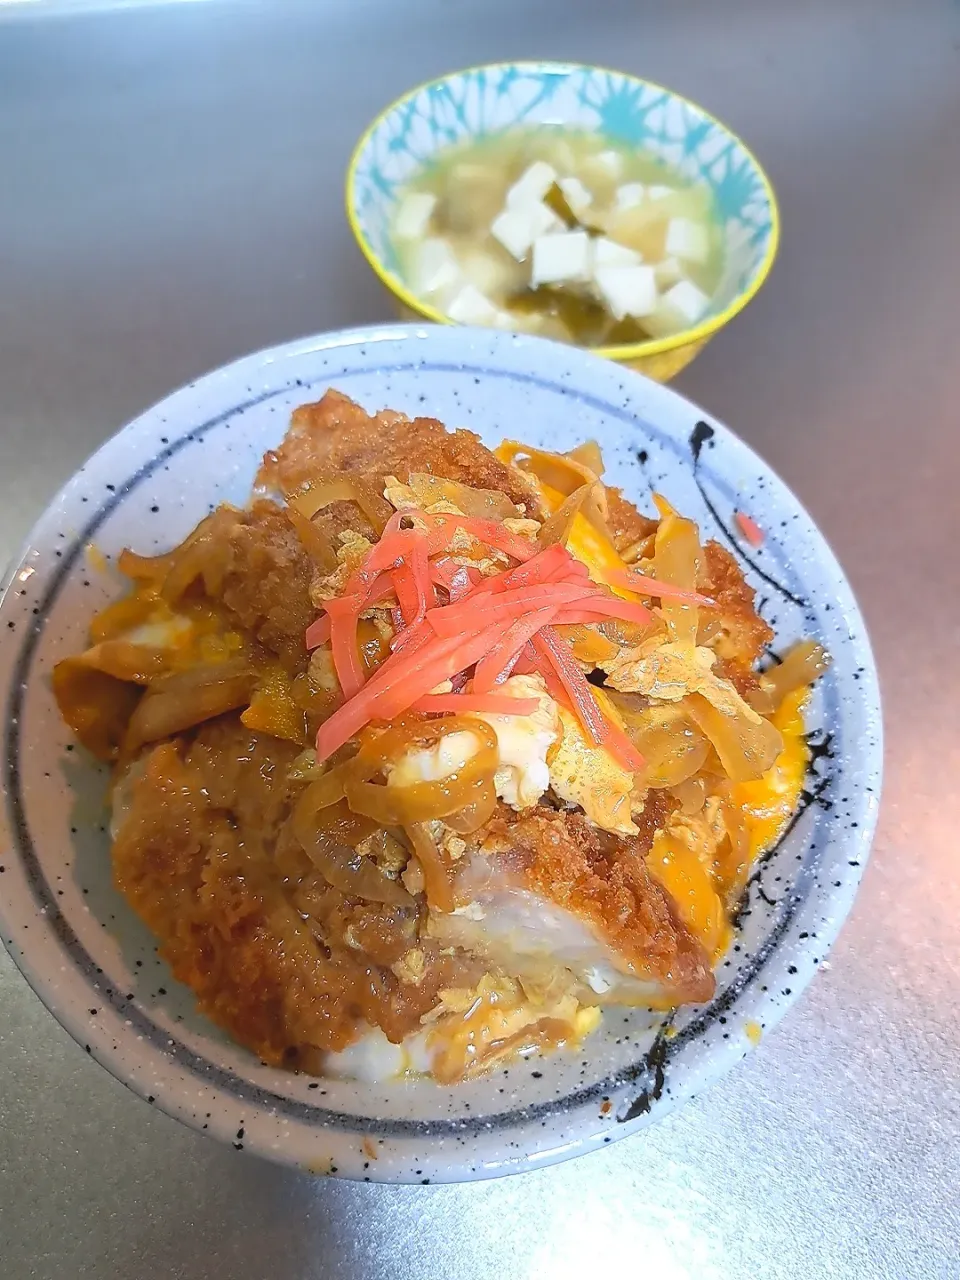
414	130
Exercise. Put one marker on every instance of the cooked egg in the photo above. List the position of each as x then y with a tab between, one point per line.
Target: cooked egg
681	856
683	867
585	542
770	801
494	1020
465	1033
522	744
448	755
169	634
587	775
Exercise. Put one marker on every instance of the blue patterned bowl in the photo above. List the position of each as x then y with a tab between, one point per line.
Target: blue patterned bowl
484	100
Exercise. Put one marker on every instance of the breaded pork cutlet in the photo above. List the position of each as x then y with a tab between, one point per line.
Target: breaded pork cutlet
548	896
335	437
309	902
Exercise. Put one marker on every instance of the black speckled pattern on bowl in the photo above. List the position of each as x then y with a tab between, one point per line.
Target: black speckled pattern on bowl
95	966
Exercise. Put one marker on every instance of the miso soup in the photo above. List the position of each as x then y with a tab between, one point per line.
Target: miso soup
563	233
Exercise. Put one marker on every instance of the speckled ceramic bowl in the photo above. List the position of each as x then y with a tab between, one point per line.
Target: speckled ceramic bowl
482	100
95	966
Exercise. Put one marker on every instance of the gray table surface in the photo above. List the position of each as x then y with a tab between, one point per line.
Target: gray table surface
170	197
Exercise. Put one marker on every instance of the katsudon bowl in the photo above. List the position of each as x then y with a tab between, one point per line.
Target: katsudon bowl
94	964
566	100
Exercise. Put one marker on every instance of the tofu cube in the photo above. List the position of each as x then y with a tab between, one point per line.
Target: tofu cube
531	186
492	272
669	272
516	229
413	215
563	258
608	253
435	267
630	195
506	320
629	290
687	301
577	196
611	161
470	306
680	307
687	239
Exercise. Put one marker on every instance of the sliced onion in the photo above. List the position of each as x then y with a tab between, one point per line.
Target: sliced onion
472	816
129	612
436	874
144	568
802	664
557	527
329	836
166	709
677	558
746	747
353	873
588	455
202	676
138	663
400	806
673	748
588	643
691	794
320	551
192	559
487	504
733	861
95	705
349	489
562	472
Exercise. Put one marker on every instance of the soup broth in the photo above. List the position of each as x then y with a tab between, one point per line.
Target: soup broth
561	233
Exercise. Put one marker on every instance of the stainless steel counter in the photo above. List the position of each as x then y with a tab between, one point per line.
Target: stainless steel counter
170	183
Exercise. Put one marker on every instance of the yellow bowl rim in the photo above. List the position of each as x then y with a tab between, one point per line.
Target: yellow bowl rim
629	351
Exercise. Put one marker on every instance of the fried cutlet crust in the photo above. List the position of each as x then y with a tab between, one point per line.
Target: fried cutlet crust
196	856
626	524
745	634
263	576
336	437
603	880
190	862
